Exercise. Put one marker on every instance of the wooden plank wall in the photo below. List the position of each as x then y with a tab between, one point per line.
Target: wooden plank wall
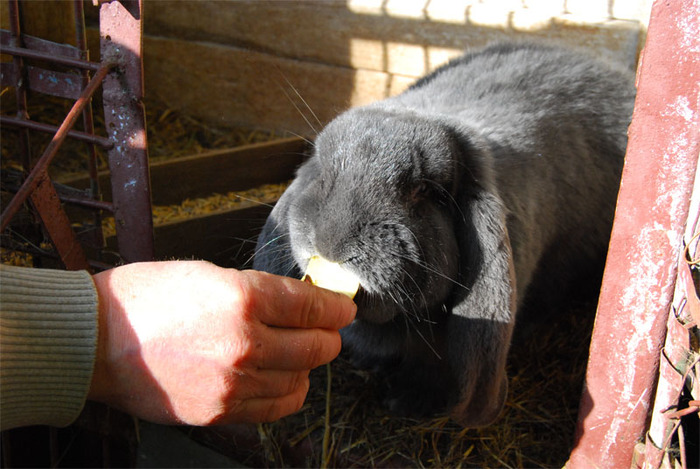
270	63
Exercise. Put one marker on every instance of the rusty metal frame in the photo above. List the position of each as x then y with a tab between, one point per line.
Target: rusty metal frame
120	75
647	240
121	30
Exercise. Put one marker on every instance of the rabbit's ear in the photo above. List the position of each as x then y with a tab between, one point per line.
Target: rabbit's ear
483	310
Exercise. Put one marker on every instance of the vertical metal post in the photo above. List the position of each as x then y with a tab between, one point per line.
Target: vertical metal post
641	270
21	88
88	124
120	42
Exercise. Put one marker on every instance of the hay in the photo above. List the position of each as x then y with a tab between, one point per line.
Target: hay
266	194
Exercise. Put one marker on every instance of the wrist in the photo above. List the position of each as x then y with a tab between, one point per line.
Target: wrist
101	384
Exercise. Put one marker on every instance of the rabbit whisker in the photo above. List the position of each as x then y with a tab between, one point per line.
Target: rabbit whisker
424	301
296	106
424	265
427	342
318	121
264	246
254	200
307	140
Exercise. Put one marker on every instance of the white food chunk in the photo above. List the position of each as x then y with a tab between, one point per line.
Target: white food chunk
332	276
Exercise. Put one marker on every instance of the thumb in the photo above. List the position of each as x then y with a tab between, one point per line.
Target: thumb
287	302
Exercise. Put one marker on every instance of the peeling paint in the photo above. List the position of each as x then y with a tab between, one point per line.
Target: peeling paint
681	108
690	31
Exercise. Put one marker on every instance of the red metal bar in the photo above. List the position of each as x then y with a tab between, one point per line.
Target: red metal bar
120	26
88	125
41	45
636	295
122	95
57	224
57	59
33	178
87	202
21	83
12	181
38	186
52	129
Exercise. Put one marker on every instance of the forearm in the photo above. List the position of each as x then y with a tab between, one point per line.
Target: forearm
48	339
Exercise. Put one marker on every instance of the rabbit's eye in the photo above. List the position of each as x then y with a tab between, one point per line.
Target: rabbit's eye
323	183
420	191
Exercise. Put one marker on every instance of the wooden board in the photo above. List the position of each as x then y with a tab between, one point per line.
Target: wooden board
218	171
227	239
227	170
233	86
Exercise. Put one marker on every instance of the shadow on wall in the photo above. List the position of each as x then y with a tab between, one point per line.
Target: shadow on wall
293	66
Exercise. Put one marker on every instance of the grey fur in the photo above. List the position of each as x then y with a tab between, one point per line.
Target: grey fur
499	169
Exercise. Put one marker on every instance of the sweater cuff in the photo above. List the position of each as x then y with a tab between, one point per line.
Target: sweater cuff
48	342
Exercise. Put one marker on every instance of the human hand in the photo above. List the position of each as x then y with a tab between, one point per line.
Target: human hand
187	342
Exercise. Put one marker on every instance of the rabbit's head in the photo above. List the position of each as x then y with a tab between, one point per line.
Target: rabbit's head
379	206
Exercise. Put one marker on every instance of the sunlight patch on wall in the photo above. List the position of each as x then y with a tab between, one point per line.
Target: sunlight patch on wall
521	14
411	60
387	68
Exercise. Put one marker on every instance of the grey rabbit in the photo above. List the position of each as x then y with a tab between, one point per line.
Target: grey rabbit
487	183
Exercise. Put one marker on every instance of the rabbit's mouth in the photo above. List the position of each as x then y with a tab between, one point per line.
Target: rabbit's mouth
374	308
360	296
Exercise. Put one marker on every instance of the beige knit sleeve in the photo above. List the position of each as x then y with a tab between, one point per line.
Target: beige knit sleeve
48	340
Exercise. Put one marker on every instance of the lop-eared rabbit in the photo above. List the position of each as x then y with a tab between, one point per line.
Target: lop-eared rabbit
489	182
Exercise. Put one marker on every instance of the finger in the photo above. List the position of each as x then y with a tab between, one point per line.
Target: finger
286	302
298	349
265	409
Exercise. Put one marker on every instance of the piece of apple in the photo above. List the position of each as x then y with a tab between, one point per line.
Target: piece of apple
332	276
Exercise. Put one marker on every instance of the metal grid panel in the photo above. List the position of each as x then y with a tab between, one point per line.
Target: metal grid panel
120	75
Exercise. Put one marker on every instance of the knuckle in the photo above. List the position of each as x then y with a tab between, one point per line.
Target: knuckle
318	354
288	405
232	410
298	381
324	347
244	298
247	351
310	311
225	399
